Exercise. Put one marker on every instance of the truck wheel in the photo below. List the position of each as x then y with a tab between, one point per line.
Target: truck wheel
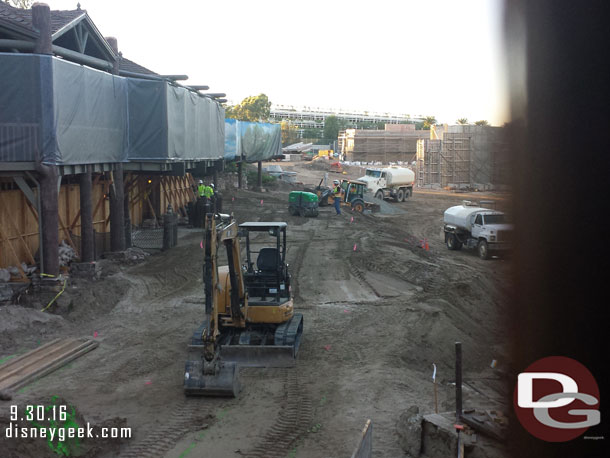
483	249
400	195
407	193
453	243
379	195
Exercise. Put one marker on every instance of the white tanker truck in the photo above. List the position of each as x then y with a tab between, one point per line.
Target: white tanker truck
478	227
395	182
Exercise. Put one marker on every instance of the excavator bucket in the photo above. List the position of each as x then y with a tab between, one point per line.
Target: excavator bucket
282	352
223	382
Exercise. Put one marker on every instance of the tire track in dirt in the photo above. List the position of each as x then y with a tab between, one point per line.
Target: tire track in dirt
295	268
293	421
191	415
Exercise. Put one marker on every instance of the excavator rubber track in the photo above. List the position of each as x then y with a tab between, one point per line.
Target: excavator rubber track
281	353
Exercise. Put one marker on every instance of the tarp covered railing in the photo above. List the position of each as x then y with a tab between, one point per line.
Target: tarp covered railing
252	141
58	112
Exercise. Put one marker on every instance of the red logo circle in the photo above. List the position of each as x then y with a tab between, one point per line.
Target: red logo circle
556	418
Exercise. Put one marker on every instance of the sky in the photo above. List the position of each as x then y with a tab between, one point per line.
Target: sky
441	58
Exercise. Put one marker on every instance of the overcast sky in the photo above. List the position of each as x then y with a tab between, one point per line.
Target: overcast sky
428	57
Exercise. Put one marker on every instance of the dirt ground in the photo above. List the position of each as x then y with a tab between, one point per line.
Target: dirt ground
379	310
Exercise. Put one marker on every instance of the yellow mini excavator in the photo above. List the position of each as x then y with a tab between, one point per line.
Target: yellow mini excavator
249	312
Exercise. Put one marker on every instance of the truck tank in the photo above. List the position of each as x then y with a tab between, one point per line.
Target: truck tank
399	176
459	215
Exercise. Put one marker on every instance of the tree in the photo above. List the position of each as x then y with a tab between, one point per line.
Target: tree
312	133
462	121
253	108
23	4
332	126
290	133
429	121
481	123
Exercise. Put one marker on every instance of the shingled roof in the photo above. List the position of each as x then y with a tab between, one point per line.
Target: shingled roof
130	66
19	22
23	18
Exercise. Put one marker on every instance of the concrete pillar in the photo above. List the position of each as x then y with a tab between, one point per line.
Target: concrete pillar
86	217
239	174
117	220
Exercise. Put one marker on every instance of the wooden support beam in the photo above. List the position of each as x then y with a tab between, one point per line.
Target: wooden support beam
17	231
15	257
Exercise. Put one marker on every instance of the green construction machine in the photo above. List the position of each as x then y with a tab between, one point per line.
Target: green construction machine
303	203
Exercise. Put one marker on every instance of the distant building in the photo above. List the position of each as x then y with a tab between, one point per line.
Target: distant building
313	118
397	143
463	156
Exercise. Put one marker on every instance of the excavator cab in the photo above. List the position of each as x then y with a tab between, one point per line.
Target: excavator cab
266	273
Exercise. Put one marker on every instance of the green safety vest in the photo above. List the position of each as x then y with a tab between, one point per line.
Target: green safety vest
201	190
208	191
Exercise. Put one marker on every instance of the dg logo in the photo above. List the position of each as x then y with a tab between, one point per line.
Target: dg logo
557	399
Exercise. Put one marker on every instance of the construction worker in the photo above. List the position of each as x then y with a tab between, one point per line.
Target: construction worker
200	205
208	192
337	194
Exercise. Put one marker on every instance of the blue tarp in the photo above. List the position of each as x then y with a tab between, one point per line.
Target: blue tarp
252	141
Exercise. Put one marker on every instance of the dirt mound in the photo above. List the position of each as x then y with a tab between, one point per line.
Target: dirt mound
21	324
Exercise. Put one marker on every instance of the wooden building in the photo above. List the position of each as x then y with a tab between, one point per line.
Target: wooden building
90	142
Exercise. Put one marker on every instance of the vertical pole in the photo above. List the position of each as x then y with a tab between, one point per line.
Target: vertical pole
127	219
117	194
41	20
458	381
48	218
239	174
86	217
215	179
259	178
117	221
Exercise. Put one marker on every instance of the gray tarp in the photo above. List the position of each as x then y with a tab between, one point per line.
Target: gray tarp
66	113
169	122
20	107
90	114
147	119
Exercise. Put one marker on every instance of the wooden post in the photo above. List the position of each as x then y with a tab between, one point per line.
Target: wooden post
86	217
127	217
117	198
49	220
41	20
112	41
215	178
458	382
259	178
117	220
